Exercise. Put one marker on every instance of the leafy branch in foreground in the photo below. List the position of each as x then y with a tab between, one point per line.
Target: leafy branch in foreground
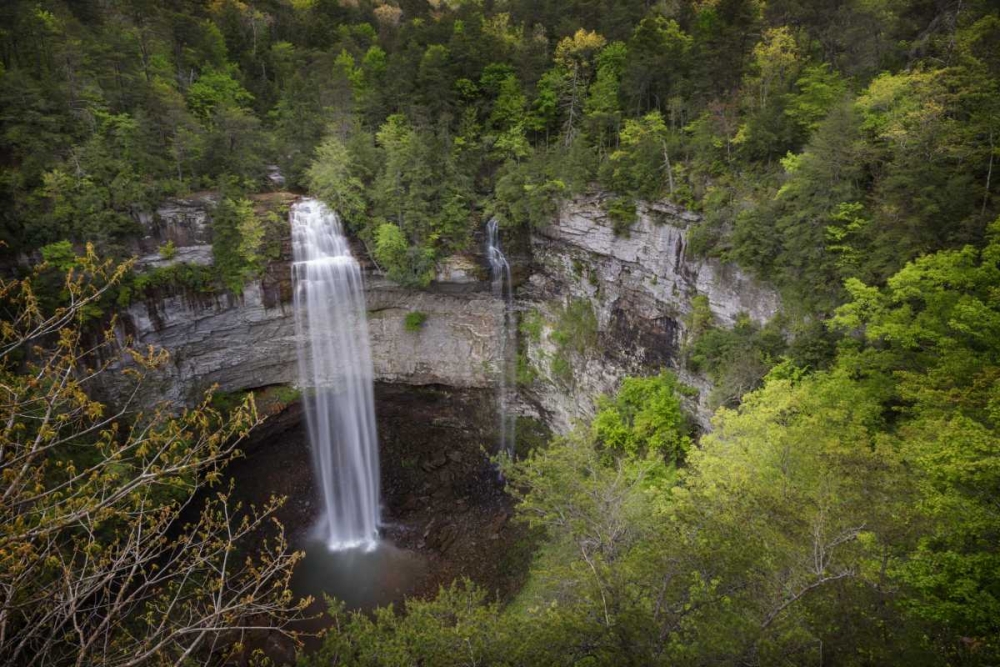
105	556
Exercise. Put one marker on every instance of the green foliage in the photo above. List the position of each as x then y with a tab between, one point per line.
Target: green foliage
403	263
448	630
641	165
92	499
531	435
450	110
238	236
414	321
528	193
575	328
933	331
60	255
561	368
845	152
645	416
622	212
269	400
700	320
574	333
191	277
659	63
331	178
531	325
168	250
526	373
736	359
215	90
817	90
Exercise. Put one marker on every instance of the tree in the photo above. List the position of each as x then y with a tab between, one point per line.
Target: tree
97	565
641	166
405	264
658	65
803	235
788	507
603	106
776	63
589	597
645	417
934	330
574	57
215	89
507	114
455	628
330	177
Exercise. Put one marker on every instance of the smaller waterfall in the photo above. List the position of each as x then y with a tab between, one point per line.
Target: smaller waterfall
503	289
335	370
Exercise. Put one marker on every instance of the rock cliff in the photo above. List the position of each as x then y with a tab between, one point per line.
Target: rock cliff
640	287
247	341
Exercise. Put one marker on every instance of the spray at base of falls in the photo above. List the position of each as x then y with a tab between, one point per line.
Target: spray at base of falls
335	372
503	289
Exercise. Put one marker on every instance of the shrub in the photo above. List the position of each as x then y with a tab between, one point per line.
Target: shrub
622	212
531	326
168	250
576	328
236	238
526	373
735	359
414	321
101	512
562	371
243	241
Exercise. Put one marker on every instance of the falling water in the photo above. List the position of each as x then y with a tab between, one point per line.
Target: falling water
335	370
502	289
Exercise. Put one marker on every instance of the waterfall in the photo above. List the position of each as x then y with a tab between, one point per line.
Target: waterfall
502	289
335	372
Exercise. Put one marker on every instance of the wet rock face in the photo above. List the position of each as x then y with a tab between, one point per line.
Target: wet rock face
642	286
457	345
247	340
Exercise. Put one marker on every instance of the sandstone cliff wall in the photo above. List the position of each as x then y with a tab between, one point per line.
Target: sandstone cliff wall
640	286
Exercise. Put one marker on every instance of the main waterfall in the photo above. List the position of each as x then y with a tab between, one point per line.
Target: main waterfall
503	289
335	372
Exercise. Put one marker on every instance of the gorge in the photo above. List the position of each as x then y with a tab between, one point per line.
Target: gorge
444	500
568	333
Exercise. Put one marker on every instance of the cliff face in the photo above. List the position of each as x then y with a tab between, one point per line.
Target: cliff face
248	341
640	288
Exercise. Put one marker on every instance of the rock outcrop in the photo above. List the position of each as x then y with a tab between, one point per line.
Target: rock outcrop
641	287
186	222
247	341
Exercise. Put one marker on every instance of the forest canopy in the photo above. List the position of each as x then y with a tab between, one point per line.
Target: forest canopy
821	141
